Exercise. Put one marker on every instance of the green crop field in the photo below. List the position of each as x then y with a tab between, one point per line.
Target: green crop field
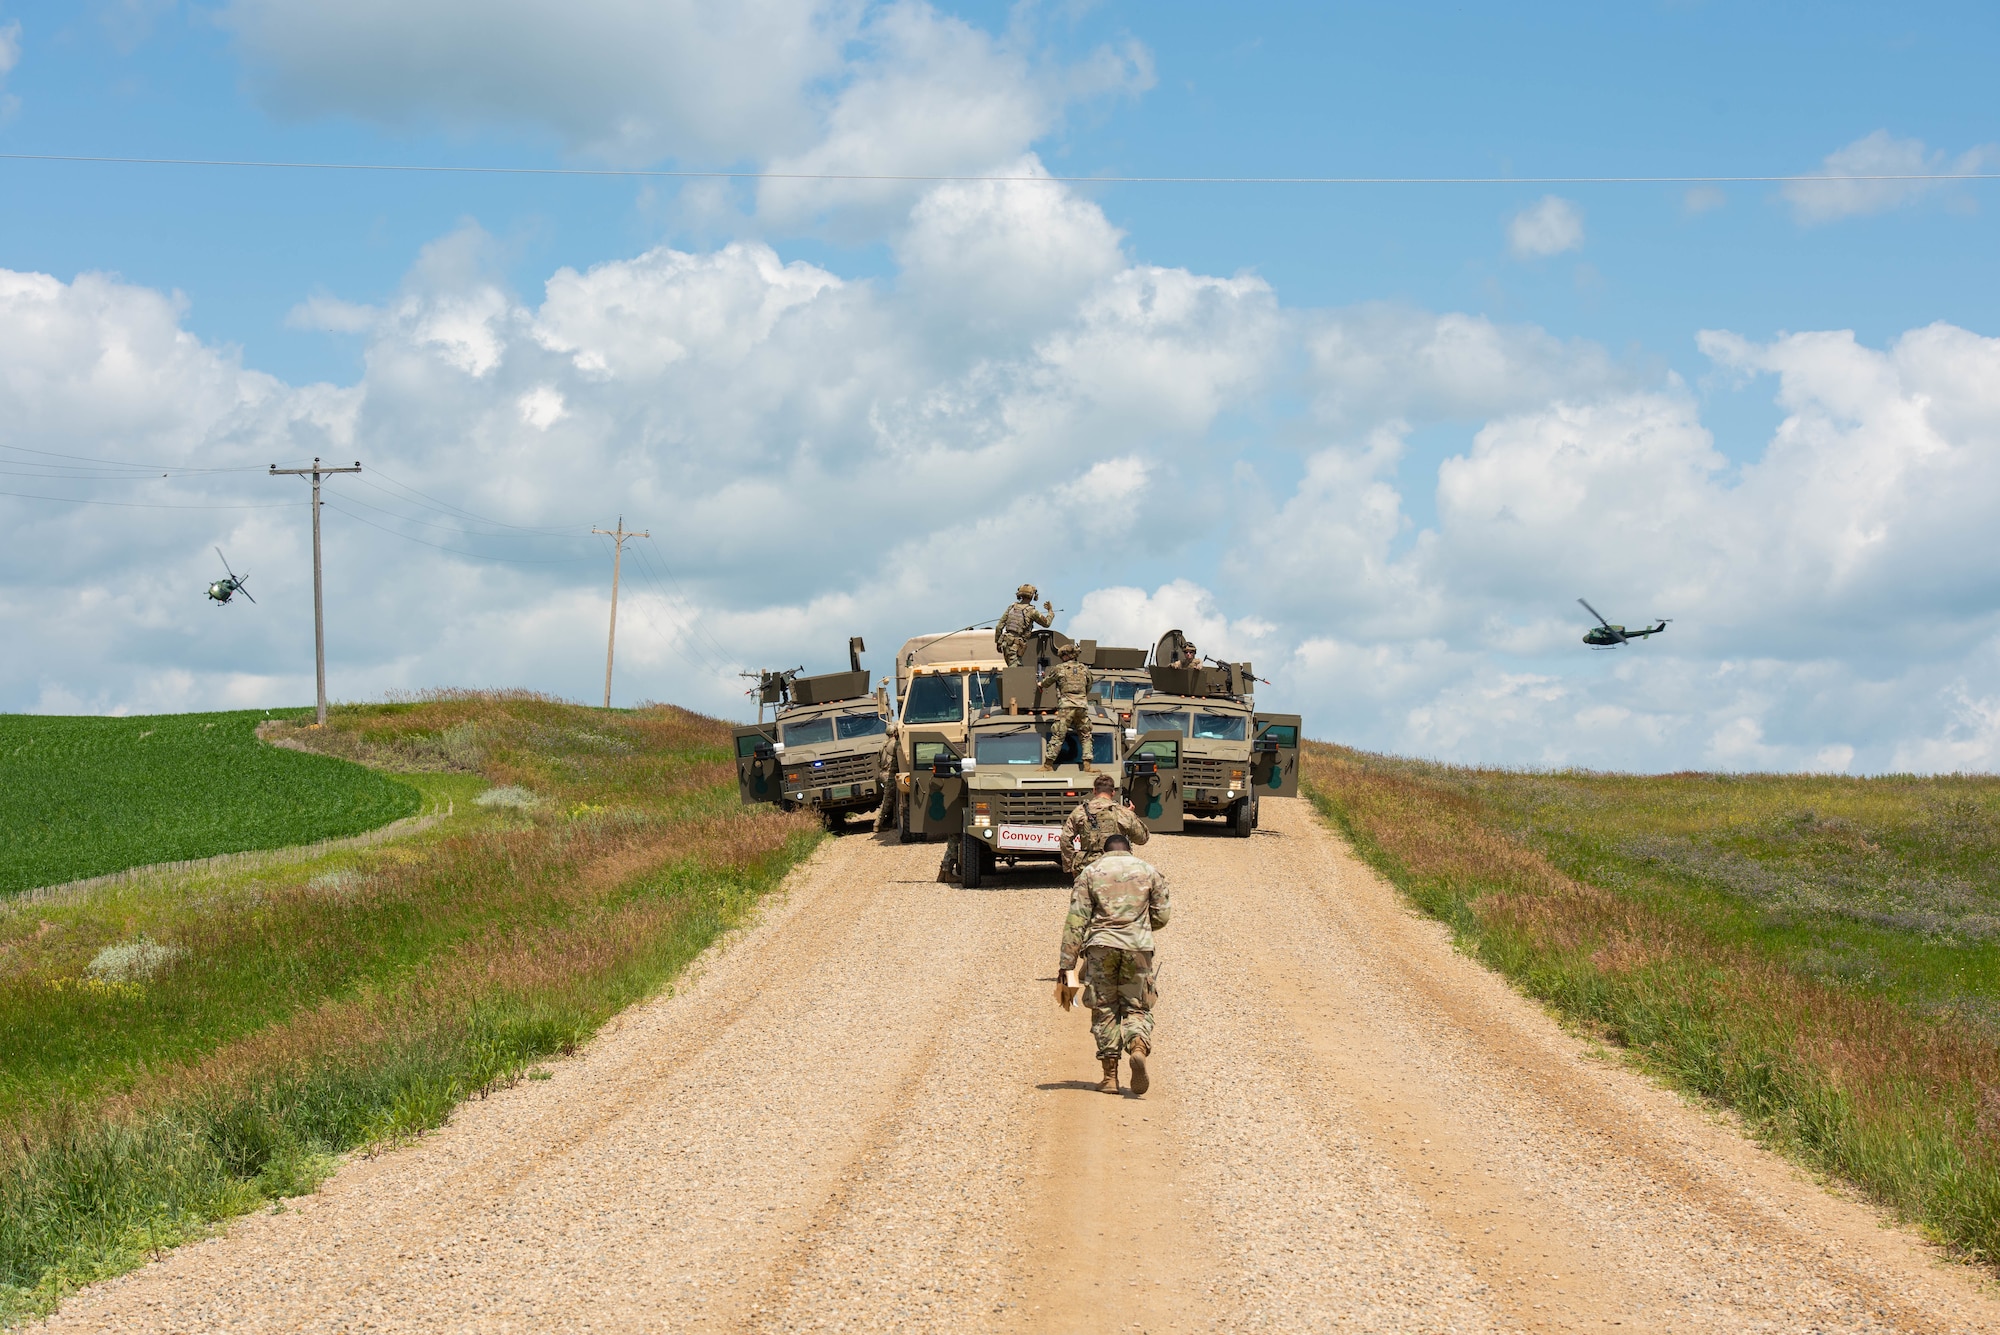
1821	954
85	796
186	1044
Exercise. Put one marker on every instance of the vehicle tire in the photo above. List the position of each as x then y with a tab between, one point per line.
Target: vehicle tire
971	855
1242	819
903	835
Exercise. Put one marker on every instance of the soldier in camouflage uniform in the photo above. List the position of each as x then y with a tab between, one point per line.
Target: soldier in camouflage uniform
1010	634
1096	820
1190	657
1071	681
1118	903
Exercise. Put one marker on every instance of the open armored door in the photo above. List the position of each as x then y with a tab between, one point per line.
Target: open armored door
1274	756
1153	781
757	763
937	787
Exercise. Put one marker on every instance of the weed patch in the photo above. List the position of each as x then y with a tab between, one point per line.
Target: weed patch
184	1047
1815	953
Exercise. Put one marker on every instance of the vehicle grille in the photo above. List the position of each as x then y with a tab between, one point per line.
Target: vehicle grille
839	770
1207	772
1033	808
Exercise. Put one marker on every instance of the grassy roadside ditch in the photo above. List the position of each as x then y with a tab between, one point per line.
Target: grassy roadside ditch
181	1047
1820	954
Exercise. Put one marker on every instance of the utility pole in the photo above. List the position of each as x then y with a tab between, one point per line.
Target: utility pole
319	600
617	555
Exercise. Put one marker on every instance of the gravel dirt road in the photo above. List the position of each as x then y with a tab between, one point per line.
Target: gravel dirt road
866	1113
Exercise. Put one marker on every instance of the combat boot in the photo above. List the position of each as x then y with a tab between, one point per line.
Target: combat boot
1137	1053
1109	1084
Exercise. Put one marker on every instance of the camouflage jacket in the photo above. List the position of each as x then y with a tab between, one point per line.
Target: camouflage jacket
1018	620
1119	902
1072	680
1091	824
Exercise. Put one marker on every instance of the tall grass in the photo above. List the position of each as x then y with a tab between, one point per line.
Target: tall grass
297	1017
1861	1078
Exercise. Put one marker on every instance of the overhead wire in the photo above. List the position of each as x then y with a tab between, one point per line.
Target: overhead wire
658	553
690	646
994	177
152	505
455	551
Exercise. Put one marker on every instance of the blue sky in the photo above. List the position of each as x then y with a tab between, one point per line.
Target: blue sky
1314	340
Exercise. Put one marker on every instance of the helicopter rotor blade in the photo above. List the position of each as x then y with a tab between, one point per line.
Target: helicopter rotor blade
1594	612
225	562
240	589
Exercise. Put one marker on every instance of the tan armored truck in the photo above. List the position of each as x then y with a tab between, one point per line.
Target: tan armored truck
943	681
822	752
988	793
1230	756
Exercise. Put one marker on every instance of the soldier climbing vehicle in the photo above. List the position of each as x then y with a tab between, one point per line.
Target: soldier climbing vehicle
988	793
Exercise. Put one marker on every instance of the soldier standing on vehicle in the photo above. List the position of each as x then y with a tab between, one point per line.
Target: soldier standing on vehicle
1071	681
1095	820
1118	903
1010	634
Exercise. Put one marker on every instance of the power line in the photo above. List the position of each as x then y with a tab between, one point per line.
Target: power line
454	551
147	505
995	177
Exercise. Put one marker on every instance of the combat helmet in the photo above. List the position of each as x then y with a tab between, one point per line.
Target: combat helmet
1027	593
1067	650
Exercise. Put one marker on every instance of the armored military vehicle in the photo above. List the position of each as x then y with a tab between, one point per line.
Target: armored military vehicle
989	794
1230	756
822	752
942	682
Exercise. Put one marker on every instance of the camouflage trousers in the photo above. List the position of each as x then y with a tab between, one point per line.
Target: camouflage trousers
1011	647
1120	988
1068	719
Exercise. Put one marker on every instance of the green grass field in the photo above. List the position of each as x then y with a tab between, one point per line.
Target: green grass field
1821	954
180	1046
81	797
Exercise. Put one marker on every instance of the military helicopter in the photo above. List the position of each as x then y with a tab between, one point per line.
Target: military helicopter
225	589
1604	635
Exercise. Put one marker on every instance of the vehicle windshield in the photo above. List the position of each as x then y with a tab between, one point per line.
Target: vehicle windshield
870	724
1118	690
807	731
1161	720
935	699
1022	746
1219	727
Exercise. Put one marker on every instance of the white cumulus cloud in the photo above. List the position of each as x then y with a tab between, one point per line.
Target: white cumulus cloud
1867	172
1549	226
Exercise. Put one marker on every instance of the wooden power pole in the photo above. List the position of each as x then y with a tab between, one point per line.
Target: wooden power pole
319	600
618	536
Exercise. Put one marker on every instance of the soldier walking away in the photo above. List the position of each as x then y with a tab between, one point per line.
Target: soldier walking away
1071	681
1010	634
1096	819
1118	903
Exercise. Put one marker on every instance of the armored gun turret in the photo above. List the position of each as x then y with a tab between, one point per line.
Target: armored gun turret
1231	756
823	750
